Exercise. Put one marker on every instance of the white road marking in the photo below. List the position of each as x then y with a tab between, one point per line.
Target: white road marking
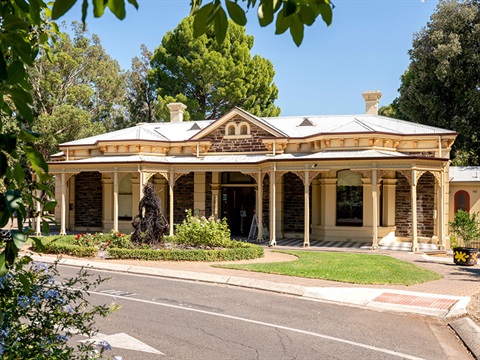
123	341
327	337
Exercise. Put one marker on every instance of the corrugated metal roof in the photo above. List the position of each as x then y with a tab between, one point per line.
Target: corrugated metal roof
350	124
288	126
464	173
238	159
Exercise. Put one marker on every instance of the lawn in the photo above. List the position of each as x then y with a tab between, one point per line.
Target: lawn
346	267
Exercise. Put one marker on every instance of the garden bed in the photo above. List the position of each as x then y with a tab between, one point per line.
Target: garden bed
120	247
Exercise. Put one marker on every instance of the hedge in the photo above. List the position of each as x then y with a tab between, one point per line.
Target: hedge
245	253
67	249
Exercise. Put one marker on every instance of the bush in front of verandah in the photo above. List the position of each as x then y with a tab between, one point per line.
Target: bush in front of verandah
39	314
203	233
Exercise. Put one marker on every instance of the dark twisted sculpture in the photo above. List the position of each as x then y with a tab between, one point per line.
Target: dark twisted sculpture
149	224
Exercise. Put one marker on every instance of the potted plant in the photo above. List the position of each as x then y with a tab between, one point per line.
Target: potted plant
465	227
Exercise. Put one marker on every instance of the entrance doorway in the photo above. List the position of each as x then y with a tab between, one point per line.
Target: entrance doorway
238	203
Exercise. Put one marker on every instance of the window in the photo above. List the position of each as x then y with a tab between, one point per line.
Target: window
125	198
231	129
235	130
349	198
462	201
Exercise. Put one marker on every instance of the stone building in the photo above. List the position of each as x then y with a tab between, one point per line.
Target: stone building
350	178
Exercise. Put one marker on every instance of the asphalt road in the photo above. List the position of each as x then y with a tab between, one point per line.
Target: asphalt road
168	319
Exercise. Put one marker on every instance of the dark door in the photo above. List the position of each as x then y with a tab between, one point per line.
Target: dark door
237	208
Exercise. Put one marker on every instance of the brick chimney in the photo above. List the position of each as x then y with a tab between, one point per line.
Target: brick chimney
176	111
371	101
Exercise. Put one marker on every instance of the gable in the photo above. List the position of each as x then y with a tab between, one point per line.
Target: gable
238	131
237	135
248	118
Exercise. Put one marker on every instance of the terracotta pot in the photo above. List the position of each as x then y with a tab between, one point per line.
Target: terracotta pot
465	256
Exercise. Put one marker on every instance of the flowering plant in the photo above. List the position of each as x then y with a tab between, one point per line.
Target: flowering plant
38	314
116	239
88	239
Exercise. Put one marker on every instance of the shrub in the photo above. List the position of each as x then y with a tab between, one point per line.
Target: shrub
65	245
39	315
202	232
465	227
245	252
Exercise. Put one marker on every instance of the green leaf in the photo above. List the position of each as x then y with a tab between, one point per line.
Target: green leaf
22	100
16	72
45	227
49	205
3	67
265	13
306	15
236	13
60	7
11	22
18	174
296	30
98	8
23	5
118	8
290	7
3	264
19	238
37	161
36	7
38	243
134	3
326	11
3	164
25	282
13	200
28	135
200	21
221	25
11	252
84	10
282	24
8	142
4	214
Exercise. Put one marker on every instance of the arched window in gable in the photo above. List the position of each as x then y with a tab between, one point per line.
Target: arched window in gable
462	201
231	129
244	129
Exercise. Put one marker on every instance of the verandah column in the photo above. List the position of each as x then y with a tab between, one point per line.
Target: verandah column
171	183
306	187
259	209
414	211
441	211
374	210
115	201
273	240
63	212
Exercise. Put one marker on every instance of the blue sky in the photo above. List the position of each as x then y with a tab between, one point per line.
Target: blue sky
365	48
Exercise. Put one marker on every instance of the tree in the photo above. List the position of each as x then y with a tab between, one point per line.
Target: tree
26	28
140	91
441	86
211	78
78	90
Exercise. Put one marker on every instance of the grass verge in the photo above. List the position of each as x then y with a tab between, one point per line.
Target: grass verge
346	267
